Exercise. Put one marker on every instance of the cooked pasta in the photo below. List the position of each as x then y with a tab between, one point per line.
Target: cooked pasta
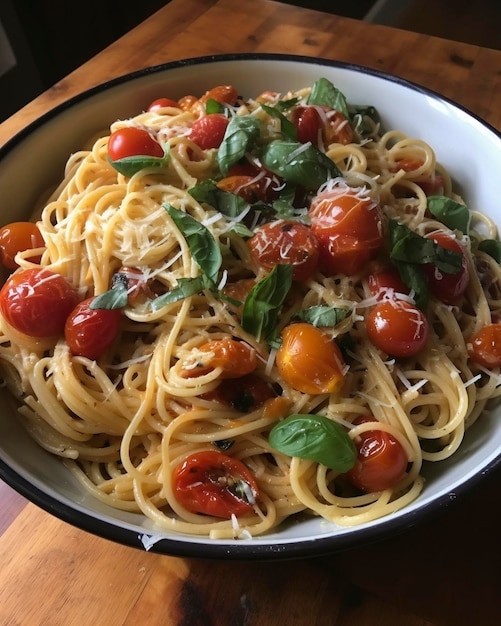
167	388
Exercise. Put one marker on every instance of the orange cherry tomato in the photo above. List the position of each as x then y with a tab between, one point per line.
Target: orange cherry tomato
224	94
208	131
448	288
349	228
397	327
309	360
484	347
252	188
163	103
236	358
243	394
37	302
212	483
286	242
132	141
386	283
381	460
90	332
18	237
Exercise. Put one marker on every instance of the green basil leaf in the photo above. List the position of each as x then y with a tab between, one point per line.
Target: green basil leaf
213	106
114	298
129	166
241	134
454	215
229	204
287	128
324	93
492	247
414	277
264	301
285	105
185	288
317	438
298	163
203	247
361	116
323	316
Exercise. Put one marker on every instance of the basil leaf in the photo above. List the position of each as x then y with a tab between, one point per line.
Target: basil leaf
264	301
129	166
492	247
454	215
317	438
414	277
298	163
213	106
227	203
360	116
323	316
114	298
203	247
287	128
239	138
185	288
323	93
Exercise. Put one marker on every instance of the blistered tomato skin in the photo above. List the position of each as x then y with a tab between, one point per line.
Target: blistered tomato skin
37	302
90	332
484	348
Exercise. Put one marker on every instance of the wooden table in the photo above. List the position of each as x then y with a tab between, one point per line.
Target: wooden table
443	572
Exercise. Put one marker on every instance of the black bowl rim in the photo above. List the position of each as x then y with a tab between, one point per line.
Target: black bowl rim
239	550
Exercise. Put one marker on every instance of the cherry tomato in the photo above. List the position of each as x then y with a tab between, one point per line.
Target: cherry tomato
224	94
90	332
208	131
349	228
431	185
17	237
286	242
37	302
484	347
251	188
136	283
212	483
236	358
381	460
243	394
238	291
386	283
162	103
308	124
397	327
337	129
448	288
309	360
132	141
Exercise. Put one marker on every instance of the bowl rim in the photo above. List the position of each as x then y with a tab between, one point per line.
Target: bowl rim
238	550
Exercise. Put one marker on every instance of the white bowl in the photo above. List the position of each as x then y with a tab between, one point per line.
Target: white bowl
33	161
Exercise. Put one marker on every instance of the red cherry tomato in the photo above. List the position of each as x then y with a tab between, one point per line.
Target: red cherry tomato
386	283
251	188
208	131
308	124
90	332
349	228
162	103
484	347
235	358
213	483
381	460
17	237
448	288
37	302
397	327
286	242
132	141
309	360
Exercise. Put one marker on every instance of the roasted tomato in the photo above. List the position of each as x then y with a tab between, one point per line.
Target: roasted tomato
397	327
381	460
212	483
37	302
243	394
448	288
208	131
286	242
132	141
321	125
349	227
18	237
386	283
259	186
484	347
309	360
235	358
90	332
163	103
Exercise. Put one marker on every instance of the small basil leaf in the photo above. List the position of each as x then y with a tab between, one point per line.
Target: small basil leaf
314	437
115	298
285	105
264	301
185	288
323	316
323	93
203	247
240	136
298	163
454	215
361	116
129	166
213	106
229	204
492	247
287	128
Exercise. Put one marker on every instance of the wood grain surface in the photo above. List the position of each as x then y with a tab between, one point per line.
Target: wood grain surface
442	571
